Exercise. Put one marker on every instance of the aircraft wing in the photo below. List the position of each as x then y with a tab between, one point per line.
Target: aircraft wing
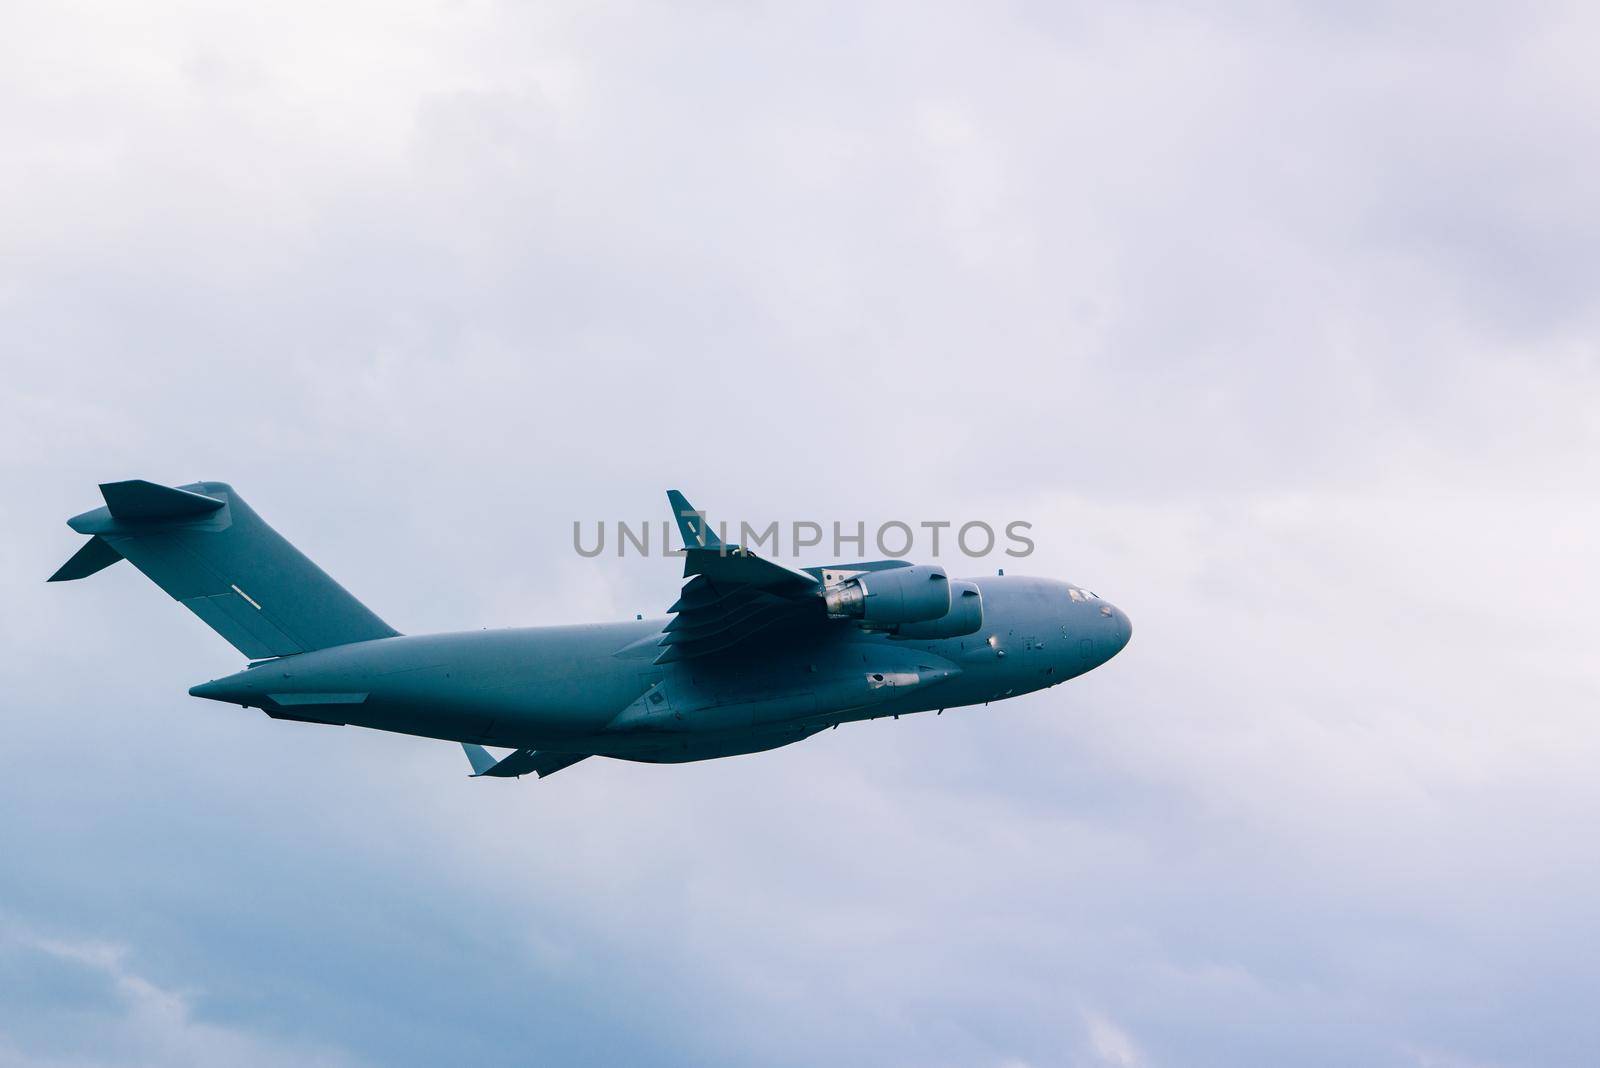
730	593
518	764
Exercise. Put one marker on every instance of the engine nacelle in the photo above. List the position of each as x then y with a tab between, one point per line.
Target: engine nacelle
965	615
897	595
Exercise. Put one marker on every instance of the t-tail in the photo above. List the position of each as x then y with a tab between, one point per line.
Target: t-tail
206	547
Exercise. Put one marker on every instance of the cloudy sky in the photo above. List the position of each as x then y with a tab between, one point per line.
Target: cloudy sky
1277	321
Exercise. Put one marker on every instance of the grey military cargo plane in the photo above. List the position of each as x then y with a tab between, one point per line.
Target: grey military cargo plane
753	655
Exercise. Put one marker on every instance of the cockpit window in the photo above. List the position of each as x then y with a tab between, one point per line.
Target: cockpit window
1081	595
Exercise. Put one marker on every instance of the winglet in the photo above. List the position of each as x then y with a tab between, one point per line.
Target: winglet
479	758
692	525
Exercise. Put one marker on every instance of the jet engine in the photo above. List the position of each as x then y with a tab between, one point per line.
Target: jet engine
897	595
965	615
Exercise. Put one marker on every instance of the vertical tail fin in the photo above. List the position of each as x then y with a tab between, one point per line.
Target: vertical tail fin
210	551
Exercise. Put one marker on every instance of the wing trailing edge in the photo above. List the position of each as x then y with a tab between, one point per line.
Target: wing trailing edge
730	593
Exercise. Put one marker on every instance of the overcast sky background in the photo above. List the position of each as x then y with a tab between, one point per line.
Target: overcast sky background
1278	322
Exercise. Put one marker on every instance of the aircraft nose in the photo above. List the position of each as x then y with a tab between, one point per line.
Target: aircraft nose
1122	632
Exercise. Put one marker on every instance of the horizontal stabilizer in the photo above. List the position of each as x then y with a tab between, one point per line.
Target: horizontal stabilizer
96	555
522	762
138	499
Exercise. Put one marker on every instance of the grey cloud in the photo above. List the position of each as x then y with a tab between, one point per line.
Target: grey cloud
1277	324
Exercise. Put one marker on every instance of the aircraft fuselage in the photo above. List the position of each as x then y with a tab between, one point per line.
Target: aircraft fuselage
560	689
